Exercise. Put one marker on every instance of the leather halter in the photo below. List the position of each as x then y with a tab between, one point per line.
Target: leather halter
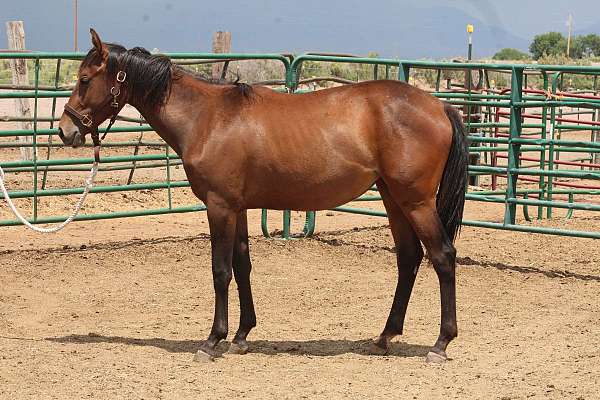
87	121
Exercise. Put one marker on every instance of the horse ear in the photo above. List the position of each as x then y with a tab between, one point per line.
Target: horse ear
97	43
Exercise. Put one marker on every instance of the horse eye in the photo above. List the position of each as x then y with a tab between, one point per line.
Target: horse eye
84	79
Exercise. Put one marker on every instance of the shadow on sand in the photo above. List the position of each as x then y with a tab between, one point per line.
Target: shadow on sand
322	347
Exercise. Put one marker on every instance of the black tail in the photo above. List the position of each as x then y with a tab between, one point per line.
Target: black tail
450	199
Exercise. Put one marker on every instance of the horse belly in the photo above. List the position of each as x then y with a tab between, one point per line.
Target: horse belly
315	190
323	160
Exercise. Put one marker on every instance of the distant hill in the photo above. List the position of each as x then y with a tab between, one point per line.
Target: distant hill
390	28
434	37
413	33
590	29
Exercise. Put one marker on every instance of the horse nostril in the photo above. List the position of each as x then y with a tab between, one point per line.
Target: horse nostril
61	134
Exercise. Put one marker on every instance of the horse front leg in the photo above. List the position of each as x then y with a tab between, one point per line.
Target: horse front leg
222	223
242	267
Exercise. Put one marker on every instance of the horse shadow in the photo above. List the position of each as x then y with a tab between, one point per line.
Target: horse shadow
320	347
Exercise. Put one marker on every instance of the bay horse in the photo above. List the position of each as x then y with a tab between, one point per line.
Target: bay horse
246	147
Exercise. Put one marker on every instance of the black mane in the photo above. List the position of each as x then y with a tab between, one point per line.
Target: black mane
149	76
242	88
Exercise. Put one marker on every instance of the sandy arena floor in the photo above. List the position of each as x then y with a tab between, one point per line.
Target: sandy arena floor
116	309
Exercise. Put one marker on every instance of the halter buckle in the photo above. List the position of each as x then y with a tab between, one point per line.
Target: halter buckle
115	91
86	120
121	75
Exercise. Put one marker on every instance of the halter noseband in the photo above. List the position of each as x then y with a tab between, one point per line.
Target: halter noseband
87	121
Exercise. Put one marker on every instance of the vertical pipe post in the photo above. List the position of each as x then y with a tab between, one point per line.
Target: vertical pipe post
542	183
551	155
514	149
169	192
489	114
595	117
403	72
287	217
52	116
559	133
35	115
291	83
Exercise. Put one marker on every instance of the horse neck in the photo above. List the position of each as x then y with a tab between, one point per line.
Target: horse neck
177	121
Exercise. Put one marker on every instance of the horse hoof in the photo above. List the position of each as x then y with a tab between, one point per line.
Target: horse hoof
203	357
376	349
437	358
237	348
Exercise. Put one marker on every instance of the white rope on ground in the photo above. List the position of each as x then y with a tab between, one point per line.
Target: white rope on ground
89	183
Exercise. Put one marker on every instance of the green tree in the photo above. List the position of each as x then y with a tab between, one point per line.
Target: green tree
548	44
584	46
577	47
510	54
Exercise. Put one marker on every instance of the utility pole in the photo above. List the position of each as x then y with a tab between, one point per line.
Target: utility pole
470	32
469	109
75	47
570	25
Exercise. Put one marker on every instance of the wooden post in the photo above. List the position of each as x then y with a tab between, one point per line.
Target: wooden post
221	44
16	41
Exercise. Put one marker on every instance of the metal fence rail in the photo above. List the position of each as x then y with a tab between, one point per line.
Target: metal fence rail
40	168
513	140
519	137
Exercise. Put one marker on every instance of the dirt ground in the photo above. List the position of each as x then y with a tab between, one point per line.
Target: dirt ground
116	309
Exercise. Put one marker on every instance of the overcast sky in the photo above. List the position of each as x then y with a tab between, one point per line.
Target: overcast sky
394	28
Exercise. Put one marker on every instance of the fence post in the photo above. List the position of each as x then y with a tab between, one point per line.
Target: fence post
18	67
403	72
595	117
221	44
514	149
553	136
544	136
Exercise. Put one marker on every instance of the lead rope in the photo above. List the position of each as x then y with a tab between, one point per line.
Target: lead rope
89	184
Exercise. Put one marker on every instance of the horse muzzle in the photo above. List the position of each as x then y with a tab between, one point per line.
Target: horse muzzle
74	139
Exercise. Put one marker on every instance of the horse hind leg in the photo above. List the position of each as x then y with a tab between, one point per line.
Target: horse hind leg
409	255
426	222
